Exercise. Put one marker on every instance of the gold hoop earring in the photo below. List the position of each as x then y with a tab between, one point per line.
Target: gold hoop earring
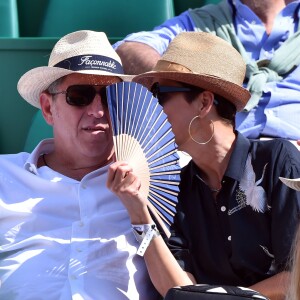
201	143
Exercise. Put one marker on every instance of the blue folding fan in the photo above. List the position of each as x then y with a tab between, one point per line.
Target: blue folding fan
143	137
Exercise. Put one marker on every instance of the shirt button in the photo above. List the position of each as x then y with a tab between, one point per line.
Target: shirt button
81	224
73	277
79	250
84	186
229	238
223	208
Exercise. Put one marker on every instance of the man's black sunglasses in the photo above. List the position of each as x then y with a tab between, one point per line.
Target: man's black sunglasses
83	95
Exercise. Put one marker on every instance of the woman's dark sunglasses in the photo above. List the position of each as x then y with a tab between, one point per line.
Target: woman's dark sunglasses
161	92
83	95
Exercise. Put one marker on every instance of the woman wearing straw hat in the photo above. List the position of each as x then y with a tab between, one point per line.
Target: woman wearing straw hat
63	234
235	220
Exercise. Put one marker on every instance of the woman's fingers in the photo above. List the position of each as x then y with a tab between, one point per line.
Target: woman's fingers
126	185
117	172
121	179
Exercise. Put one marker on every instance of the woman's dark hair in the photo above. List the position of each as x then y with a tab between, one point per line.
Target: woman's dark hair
225	109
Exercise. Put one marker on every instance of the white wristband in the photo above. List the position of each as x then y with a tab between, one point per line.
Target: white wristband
144	235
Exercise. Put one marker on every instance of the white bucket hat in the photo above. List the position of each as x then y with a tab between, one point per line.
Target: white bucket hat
84	51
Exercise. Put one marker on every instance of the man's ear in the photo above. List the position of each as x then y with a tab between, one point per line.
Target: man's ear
46	105
206	101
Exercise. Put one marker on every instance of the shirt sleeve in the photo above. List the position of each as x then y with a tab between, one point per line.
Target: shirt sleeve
285	210
178	245
160	37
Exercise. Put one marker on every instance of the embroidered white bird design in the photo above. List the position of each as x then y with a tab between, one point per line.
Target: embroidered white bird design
267	251
255	195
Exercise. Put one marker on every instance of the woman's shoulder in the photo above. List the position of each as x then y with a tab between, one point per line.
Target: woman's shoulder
280	151
278	144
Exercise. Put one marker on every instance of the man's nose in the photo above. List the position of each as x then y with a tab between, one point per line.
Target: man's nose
98	105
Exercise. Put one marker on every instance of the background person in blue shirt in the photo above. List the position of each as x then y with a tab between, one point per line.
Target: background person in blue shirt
261	27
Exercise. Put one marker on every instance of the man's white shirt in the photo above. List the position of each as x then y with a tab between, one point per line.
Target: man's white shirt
64	239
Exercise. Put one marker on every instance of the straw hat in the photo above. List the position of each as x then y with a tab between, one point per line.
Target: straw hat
292	183
84	51
203	60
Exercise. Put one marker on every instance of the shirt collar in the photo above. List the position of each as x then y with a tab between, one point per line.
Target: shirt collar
237	160
44	146
238	157
47	146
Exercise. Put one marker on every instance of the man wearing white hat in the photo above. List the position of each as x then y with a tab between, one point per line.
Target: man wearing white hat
63	234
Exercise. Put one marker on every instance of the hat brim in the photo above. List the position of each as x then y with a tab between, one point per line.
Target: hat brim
292	183
37	80
234	93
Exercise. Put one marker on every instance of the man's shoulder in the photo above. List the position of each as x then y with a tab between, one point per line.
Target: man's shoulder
211	9
17	159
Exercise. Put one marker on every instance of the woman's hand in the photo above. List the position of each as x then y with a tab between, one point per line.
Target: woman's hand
126	185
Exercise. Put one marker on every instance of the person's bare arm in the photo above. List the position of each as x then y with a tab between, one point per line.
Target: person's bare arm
164	270
274	287
137	57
